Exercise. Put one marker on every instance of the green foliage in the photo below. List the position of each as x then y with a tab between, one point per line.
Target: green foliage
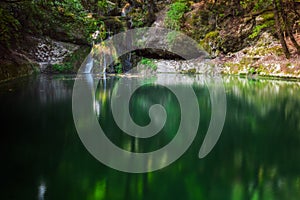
103	4
251	70
67	6
64	67
268	21
255	5
260	4
138	17
257	29
79	17
268	16
221	15
244	4
119	68
192	71
148	63
211	40
66	18
9	26
212	35
175	14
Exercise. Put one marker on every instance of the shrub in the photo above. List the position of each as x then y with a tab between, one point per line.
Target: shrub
257	29
9	27
175	14
149	63
65	67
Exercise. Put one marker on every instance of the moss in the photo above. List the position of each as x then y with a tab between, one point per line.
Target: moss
175	14
191	71
258	28
252	70
64	67
11	70
197	24
149	63
171	37
138	17
76	58
212	35
262	51
247	61
268	16
261	70
211	42
72	62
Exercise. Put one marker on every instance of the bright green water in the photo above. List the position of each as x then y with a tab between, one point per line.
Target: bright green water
256	157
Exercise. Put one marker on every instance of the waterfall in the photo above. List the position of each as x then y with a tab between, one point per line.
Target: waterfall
100	58
89	64
104	63
104	69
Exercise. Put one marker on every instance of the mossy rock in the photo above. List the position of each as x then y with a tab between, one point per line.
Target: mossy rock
189	71
268	16
192	71
77	57
211	43
10	70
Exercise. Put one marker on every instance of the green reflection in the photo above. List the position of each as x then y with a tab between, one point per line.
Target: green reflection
257	156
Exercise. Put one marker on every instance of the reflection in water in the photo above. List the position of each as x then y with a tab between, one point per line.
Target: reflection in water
51	90
263	95
42	190
257	156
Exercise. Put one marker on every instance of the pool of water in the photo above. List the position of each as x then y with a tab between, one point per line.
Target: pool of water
256	157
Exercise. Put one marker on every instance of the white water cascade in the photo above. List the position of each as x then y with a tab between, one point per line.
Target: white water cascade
89	64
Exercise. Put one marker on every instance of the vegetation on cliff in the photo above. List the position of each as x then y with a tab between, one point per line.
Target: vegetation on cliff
225	29
233	31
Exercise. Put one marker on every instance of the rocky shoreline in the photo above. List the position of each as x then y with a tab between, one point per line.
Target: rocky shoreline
264	59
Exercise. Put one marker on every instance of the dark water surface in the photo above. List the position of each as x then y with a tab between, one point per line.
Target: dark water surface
256	157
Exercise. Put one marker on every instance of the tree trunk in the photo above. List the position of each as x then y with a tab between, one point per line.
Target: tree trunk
290	34
295	8
279	30
288	27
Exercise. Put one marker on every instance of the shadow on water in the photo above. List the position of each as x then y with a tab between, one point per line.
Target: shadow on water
257	156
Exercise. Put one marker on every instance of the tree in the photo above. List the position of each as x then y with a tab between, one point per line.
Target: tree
279	29
288	24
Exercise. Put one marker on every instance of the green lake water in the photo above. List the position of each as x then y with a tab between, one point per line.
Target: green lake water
257	156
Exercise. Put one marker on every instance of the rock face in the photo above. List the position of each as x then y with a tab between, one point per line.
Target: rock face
237	35
47	52
169	44
264	58
193	66
15	69
218	34
51	51
14	65
38	55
